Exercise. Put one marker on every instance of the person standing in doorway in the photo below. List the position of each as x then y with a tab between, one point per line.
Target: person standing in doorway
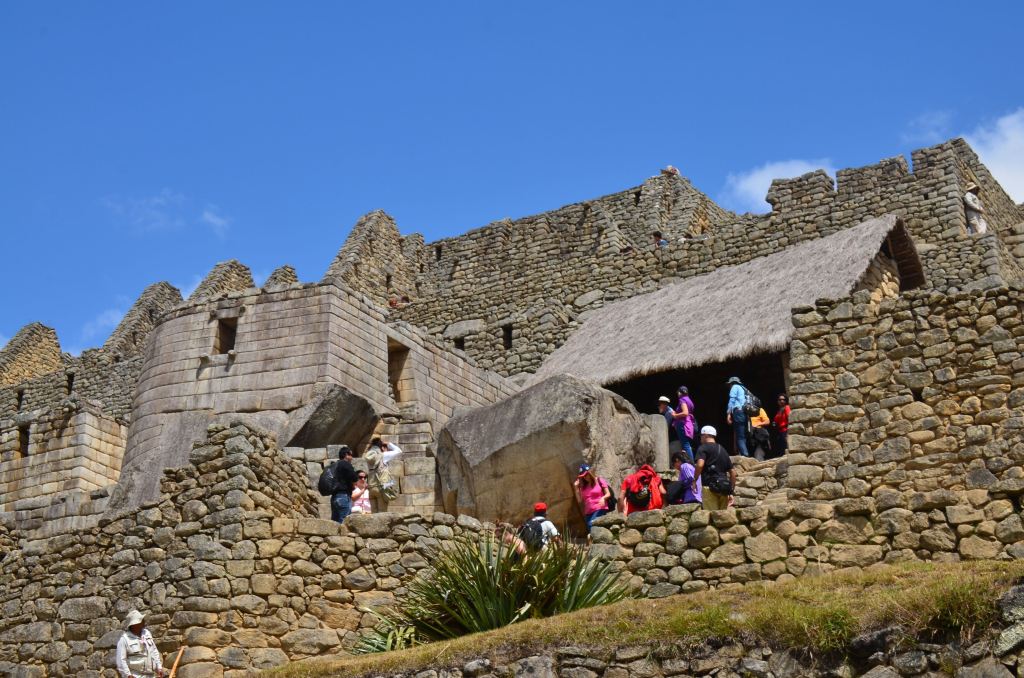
781	426
736	416
685	421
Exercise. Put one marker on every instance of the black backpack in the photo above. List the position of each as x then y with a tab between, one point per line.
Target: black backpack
328	483
717	477
751	403
639	499
532	534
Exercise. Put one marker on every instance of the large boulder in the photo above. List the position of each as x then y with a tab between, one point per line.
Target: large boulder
494	462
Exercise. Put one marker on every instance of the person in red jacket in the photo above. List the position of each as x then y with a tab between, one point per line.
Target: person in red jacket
781	425
642	491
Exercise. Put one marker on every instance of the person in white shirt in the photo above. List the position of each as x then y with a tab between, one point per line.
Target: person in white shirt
361	495
137	655
974	210
378	457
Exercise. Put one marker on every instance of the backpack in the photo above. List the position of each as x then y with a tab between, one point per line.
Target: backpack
532	534
751	403
612	499
328	483
718	479
641	497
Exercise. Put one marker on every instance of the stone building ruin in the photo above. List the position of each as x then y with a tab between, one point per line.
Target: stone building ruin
171	468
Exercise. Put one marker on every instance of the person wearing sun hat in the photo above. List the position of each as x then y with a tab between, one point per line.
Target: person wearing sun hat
137	655
974	210
592	493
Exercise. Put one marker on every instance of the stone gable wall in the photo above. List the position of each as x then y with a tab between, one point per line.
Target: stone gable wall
34	350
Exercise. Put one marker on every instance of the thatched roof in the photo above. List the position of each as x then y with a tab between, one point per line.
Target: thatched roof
732	312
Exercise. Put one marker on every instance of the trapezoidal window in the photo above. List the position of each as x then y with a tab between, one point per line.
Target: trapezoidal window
400	381
227	329
70	382
21	398
506	336
460	343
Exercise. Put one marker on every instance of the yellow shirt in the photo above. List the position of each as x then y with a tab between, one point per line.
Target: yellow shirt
760	420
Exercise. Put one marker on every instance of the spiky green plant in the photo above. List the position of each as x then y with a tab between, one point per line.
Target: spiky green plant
481	584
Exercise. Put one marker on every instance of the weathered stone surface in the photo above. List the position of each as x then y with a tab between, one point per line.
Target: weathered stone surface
494	462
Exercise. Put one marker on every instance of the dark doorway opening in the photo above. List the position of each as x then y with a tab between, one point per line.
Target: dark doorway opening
400	377
763	374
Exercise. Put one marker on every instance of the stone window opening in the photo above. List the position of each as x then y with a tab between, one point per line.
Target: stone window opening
917	394
21	398
636	198
151	315
387	281
437	252
506	336
460	343
70	382
227	330
400	379
23	440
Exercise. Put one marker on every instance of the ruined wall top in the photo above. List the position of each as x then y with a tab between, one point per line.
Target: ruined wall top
34	350
227	276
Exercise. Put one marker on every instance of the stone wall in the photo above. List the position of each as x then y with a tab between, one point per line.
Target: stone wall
223	279
887	654
34	350
231	561
553	267
291	346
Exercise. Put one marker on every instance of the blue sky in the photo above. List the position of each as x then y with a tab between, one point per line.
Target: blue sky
147	141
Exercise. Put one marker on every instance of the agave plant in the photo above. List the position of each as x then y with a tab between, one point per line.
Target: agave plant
481	584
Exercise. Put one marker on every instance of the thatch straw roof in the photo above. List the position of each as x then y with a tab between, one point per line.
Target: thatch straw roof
732	312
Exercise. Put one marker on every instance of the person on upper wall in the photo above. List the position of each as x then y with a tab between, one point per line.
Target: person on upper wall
736	415
974	210
781	425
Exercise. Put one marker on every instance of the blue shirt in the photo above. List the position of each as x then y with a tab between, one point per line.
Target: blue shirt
669	414
737	398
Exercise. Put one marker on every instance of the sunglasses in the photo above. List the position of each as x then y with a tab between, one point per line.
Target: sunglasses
362	477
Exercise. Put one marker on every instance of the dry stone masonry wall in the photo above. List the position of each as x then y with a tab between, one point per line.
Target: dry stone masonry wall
231	561
553	267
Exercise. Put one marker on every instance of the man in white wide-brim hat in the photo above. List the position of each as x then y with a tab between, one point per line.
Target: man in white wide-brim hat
974	210
137	655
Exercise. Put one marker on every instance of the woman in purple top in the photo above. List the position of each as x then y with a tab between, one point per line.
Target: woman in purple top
684	421
687	474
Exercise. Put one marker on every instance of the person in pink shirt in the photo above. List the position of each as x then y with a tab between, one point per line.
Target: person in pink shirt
593	494
361	495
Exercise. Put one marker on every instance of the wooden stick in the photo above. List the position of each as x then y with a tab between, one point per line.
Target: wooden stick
174	668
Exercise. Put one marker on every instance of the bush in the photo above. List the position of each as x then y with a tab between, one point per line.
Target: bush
476	585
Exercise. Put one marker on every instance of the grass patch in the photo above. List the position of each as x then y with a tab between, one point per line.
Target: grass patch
820	614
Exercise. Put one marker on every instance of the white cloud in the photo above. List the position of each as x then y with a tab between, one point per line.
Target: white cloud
928	128
160	212
1000	145
217	222
745	191
166	211
102	323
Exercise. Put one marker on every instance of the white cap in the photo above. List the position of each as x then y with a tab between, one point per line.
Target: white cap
134	617
709	431
664	399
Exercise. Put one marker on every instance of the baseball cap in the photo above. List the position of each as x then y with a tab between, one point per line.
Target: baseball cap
540	506
708	431
584	468
664	399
